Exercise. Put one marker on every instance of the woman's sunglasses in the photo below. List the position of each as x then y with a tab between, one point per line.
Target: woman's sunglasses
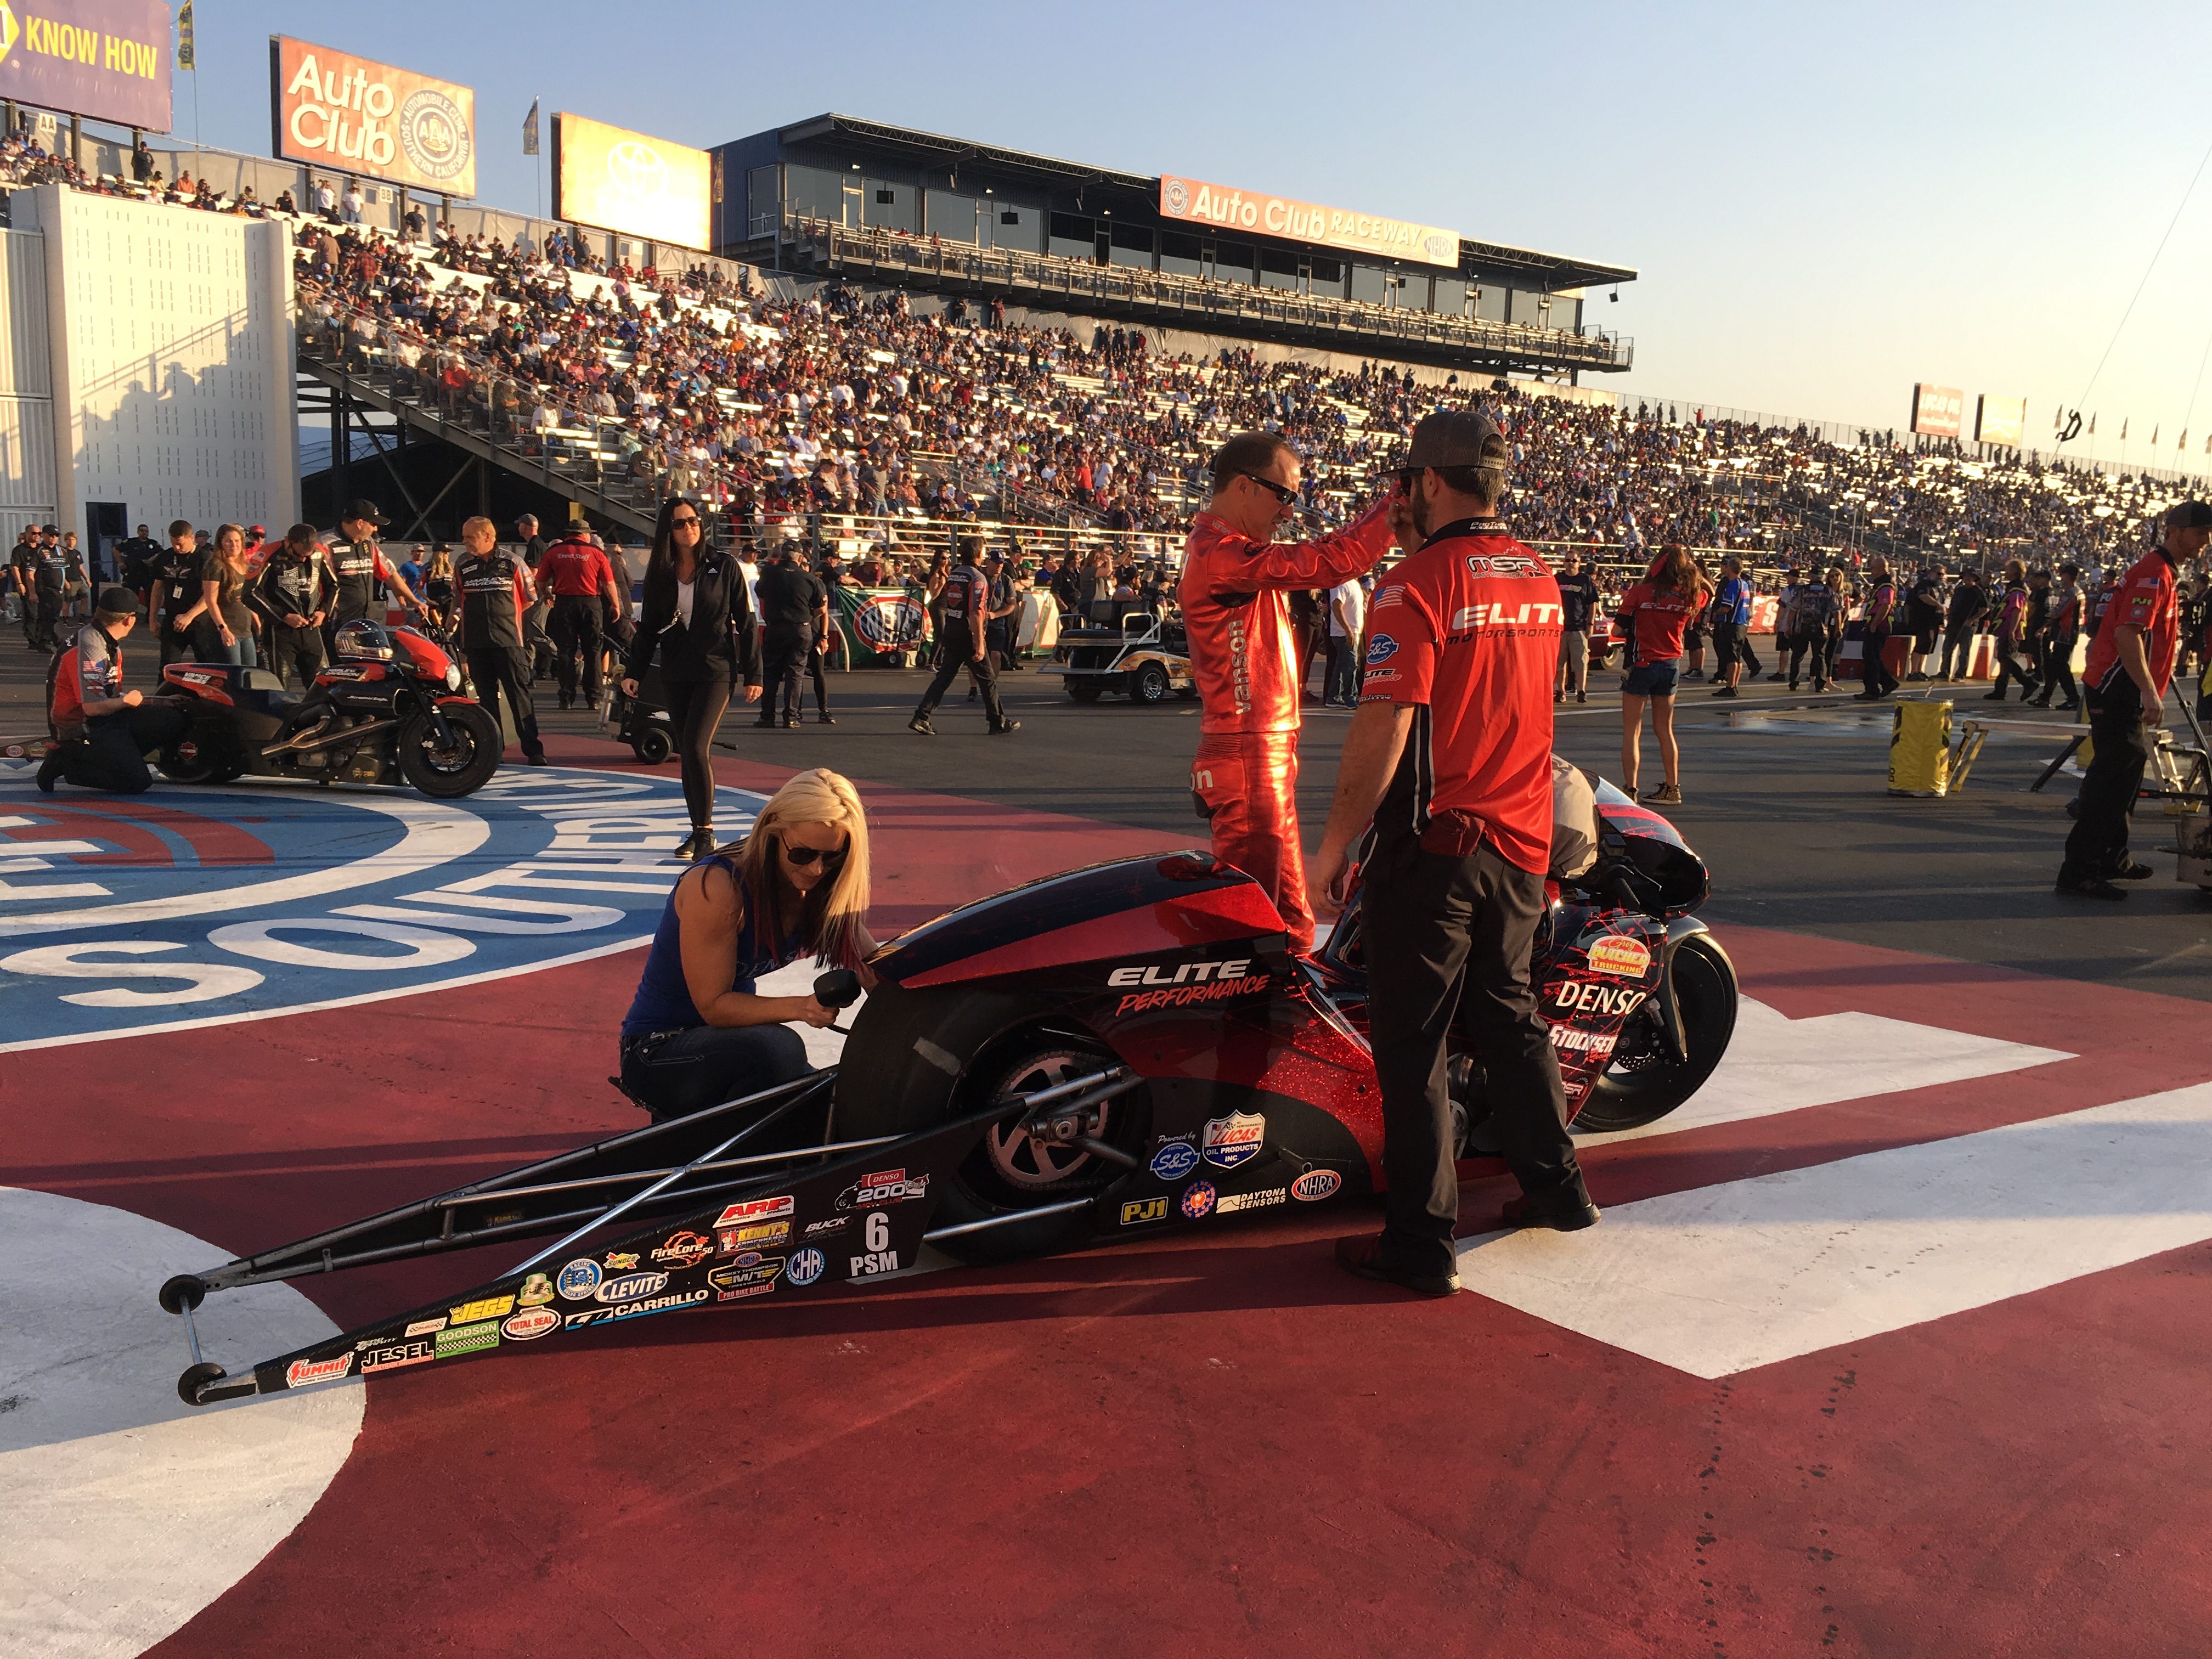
804	856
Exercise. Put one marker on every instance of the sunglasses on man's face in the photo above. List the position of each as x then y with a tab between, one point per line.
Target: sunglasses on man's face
804	856
1280	492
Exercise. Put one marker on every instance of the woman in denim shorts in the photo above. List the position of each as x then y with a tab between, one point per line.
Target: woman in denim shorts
1655	614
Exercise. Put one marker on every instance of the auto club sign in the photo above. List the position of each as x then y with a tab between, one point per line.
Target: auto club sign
351	114
1257	213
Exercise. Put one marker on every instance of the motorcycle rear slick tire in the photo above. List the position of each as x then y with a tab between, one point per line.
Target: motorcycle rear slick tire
1642	1088
474	755
894	1079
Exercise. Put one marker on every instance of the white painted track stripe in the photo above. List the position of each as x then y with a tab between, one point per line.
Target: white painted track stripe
1719	1279
1776	1064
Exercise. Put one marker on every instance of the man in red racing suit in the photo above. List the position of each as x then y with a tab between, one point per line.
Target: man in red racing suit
1244	654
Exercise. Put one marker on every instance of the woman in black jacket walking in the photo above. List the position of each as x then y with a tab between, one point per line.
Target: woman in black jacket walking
699	618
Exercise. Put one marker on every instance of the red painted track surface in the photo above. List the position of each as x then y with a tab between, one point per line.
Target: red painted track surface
1211	1443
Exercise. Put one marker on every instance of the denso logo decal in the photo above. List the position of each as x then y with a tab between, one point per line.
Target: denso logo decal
1587	996
884	1187
1380	650
1621	954
755	1209
1190	973
1315	1185
1235	1140
302	1371
631	1286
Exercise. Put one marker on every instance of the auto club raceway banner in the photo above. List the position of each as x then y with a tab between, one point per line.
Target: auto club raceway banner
184	907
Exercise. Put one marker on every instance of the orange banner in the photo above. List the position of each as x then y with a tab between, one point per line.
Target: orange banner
353	114
1200	202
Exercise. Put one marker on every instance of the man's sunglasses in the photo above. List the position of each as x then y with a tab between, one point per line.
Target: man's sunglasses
803	856
1284	496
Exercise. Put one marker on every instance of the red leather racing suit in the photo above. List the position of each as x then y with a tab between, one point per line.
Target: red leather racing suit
1244	654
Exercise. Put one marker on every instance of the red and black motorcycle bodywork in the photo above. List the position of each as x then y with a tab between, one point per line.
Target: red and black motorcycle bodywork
1114	1050
405	720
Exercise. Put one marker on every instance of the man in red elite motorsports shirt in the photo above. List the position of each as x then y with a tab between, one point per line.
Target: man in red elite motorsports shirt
1450	757
1245	656
2130	661
577	574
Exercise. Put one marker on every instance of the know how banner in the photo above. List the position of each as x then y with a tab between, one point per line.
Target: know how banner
108	59
354	114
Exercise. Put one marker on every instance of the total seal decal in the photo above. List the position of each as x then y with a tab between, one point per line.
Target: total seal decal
190	907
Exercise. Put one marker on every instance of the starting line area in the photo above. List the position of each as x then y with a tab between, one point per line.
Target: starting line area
1890	1342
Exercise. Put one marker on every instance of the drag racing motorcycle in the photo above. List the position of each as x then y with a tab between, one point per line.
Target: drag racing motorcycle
390	708
1114	1051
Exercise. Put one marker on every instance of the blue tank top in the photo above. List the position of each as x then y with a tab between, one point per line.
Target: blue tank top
663	1002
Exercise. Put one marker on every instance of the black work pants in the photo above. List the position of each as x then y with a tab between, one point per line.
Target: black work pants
1879	679
1959	645
576	631
2016	666
694	709
952	657
2098	844
499	669
678	1073
1448	939
784	651
2058	665
814	667
295	654
112	756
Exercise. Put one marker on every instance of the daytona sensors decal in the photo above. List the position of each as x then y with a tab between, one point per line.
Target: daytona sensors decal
190	906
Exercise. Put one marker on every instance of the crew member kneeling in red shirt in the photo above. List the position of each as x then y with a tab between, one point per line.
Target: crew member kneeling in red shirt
1450	757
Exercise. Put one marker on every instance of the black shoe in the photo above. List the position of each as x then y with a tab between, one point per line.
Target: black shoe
2043	701
2130	870
921	723
50	771
1774	677
1005	727
1695	674
1364	1256
2069	705
1820	685
696	845
1726	691
1564	1209
1582	696
765	722
538	759
1996	695
2095	887
791	722
825	718
1793	685
1918	678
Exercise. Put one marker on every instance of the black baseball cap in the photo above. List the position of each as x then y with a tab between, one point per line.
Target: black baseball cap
2190	515
365	510
117	602
1450	437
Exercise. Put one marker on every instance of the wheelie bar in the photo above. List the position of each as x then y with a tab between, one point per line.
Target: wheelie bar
793	1225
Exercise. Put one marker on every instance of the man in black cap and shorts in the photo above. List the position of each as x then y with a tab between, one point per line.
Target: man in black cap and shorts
1449	758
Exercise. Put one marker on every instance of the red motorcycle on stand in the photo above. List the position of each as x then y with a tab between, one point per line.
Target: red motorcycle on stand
391	709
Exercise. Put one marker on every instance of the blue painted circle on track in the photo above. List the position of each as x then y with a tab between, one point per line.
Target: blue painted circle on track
185	906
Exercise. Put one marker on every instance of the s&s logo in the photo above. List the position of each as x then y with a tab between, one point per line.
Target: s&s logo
1380	650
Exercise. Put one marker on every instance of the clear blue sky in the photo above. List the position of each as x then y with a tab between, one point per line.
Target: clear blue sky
1826	204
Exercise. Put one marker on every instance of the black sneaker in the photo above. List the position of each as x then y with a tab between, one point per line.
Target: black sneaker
825	718
693	846
2095	887
1564	1209
50	771
1005	727
2132	871
538	759
1364	1256
921	723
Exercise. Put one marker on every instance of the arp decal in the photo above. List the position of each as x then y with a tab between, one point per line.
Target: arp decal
192	905
1620	955
755	1209
1230	1141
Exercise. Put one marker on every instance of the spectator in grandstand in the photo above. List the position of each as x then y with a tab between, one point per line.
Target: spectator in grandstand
327	200
696	619
1655	617
1879	613
1969	604
294	593
1577	606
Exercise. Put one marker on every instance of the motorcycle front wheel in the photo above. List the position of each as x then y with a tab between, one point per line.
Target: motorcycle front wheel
446	772
1646	1081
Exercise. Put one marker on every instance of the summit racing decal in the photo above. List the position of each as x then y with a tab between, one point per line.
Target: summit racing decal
189	906
301	1373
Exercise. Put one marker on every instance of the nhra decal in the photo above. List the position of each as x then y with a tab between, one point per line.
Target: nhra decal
190	906
1588	997
1235	1140
1315	1185
1622	954
1138	1002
